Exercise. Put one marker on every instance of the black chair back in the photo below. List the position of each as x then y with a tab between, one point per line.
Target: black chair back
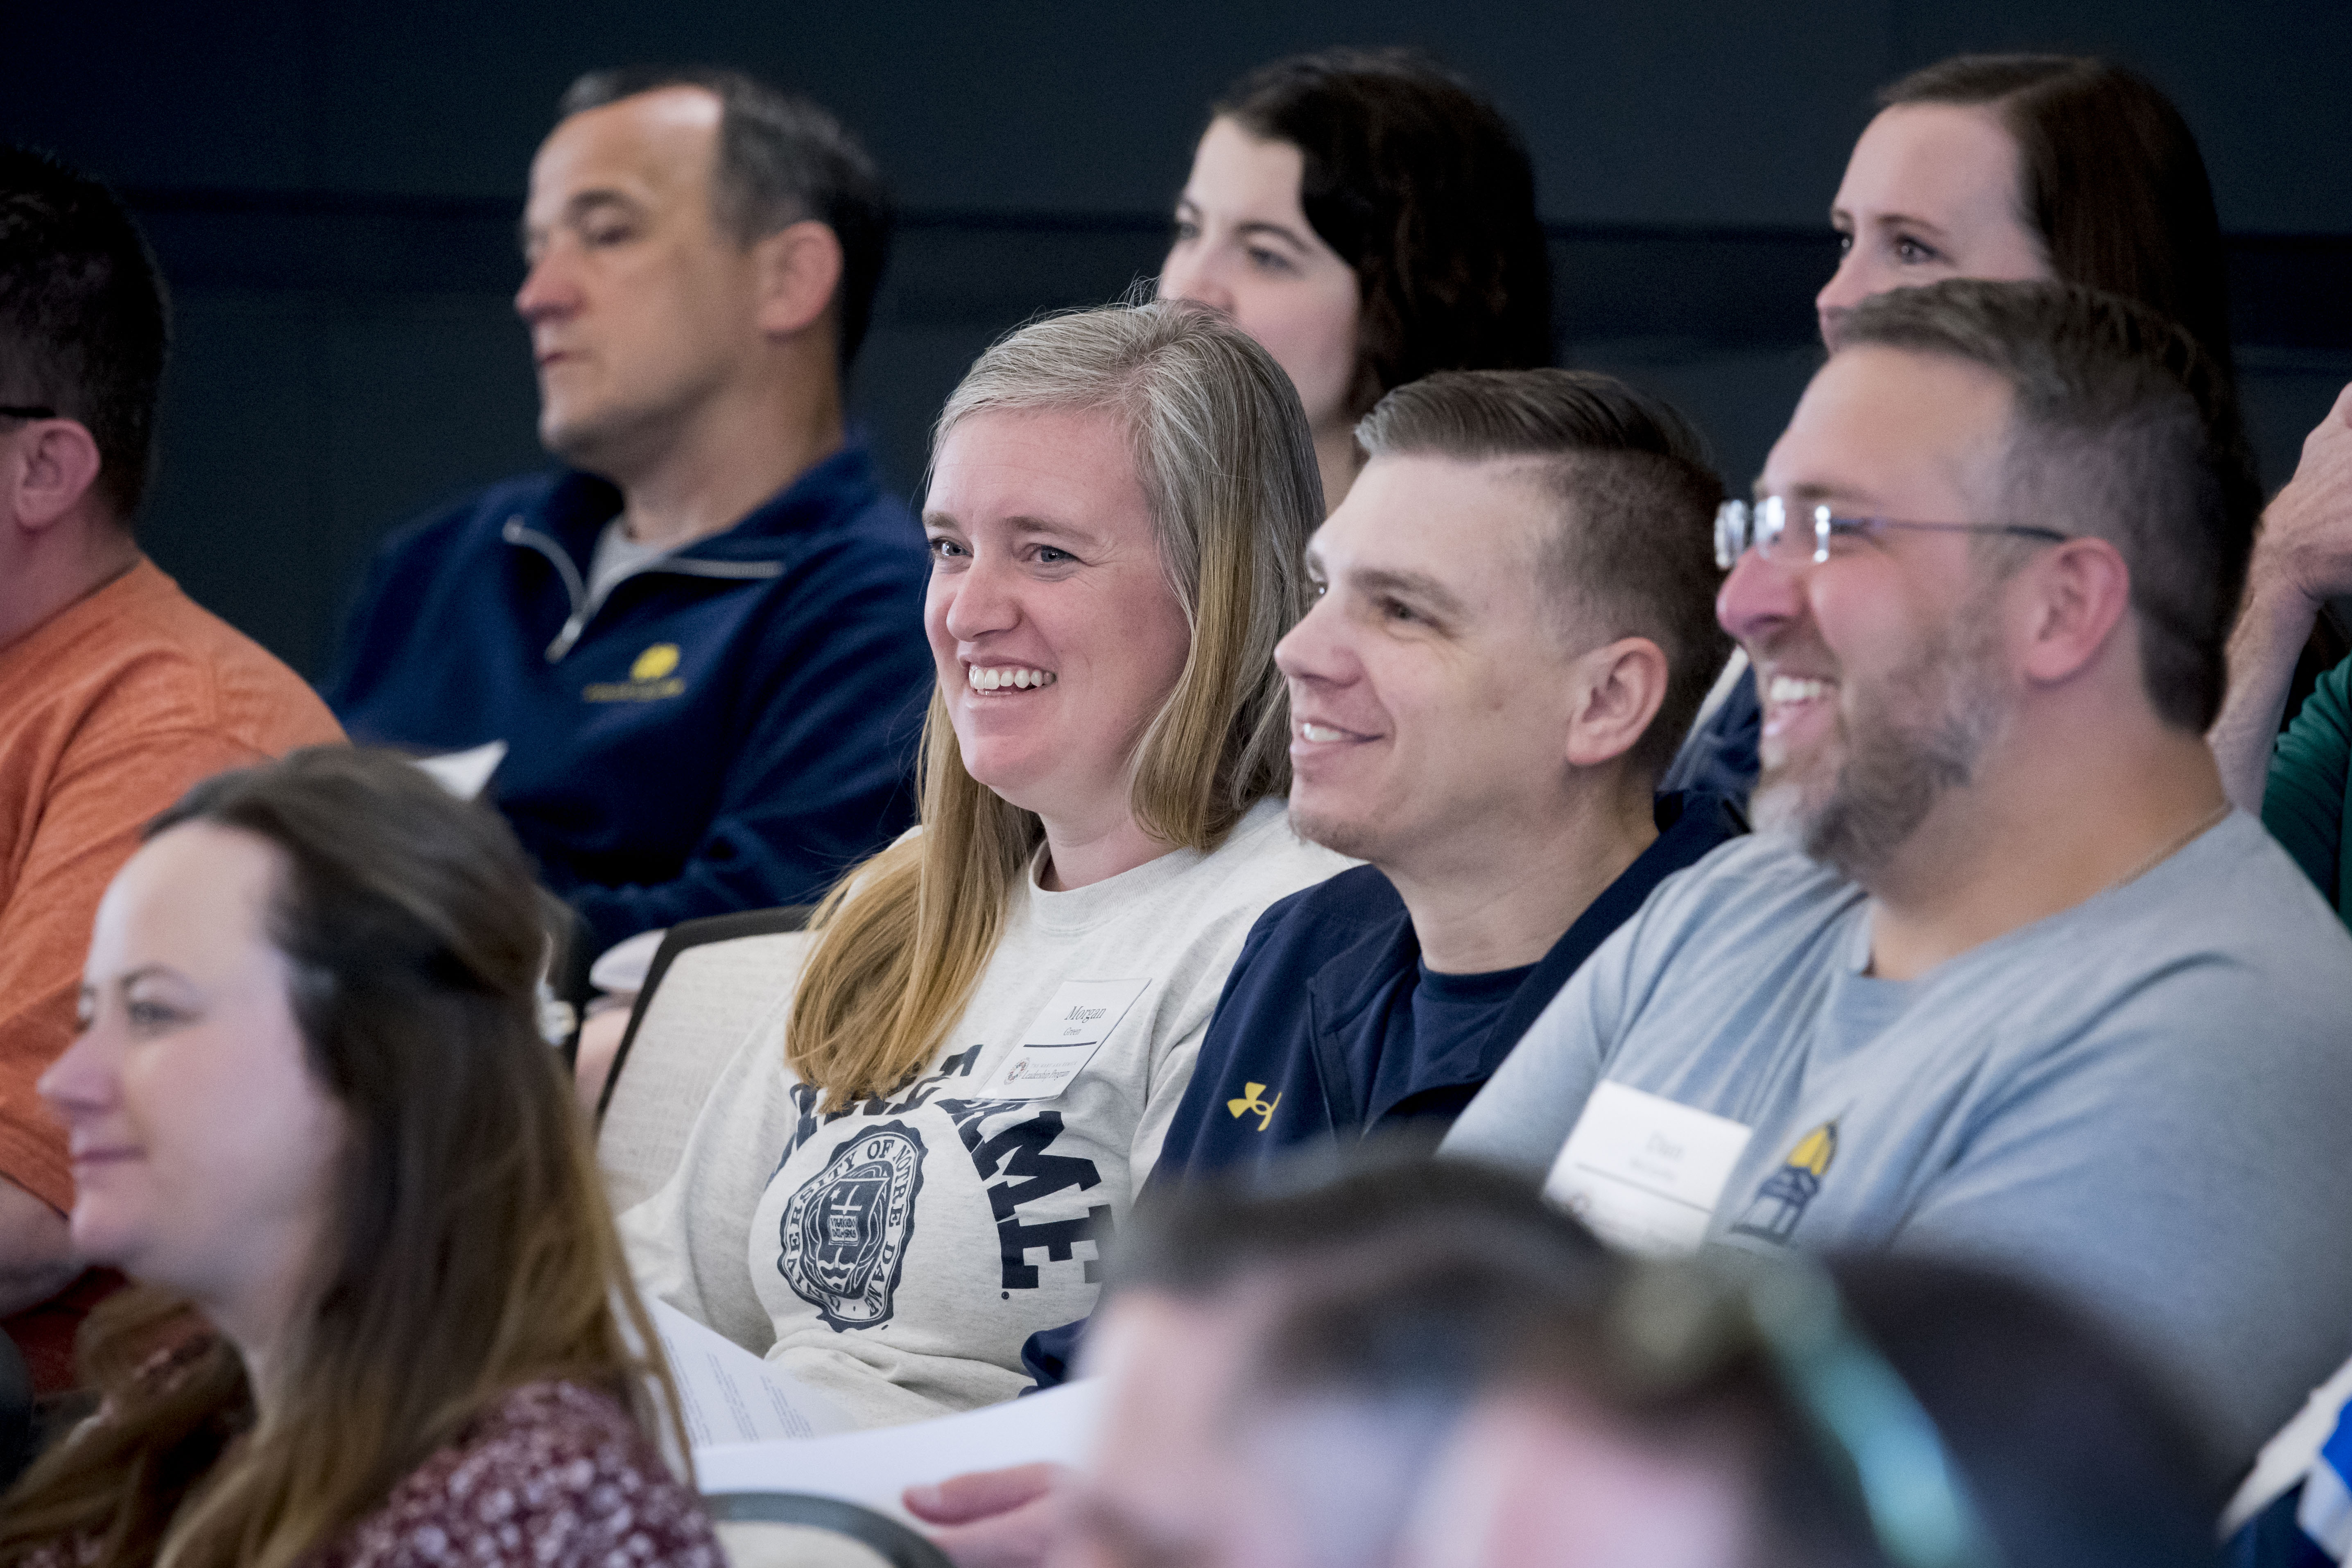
684	936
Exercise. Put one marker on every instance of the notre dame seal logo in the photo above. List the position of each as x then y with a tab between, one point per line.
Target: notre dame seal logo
846	1231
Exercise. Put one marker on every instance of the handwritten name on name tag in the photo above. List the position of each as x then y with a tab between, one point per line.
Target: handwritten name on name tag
1643	1172
1065	1037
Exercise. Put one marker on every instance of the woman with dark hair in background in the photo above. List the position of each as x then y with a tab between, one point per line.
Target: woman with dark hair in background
381	1315
2002	167
2031	166
1369	218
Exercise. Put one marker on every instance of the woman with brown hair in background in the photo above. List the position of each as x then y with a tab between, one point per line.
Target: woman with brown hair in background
380	1314
2002	167
1368	217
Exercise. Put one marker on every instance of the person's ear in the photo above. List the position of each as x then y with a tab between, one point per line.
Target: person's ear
1616	689
799	269
49	468
2074	596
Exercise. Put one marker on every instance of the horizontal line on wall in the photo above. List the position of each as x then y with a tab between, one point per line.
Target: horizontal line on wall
1736	286
240	202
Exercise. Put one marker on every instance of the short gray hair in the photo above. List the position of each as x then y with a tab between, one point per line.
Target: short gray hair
783	159
1227	464
2122	426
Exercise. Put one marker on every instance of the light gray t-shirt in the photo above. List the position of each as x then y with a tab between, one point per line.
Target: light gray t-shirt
896	1254
2145	1100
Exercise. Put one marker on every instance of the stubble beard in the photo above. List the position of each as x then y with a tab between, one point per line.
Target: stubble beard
1341	835
1895	768
612	435
583	440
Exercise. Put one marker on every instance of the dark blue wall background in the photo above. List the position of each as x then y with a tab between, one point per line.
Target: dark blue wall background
332	188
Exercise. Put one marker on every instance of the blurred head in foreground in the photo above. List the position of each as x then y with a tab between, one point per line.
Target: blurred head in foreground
1880	1414
1231	1436
1424	1364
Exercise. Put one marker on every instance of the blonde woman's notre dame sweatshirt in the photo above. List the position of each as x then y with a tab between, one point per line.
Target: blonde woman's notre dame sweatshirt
896	1256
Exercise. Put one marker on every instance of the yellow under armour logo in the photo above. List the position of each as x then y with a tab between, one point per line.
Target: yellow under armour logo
655	662
1250	1101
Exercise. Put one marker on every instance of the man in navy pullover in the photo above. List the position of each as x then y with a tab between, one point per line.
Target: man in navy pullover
1516	625
701	648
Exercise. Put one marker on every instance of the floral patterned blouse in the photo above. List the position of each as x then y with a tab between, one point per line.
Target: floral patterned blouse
555	1475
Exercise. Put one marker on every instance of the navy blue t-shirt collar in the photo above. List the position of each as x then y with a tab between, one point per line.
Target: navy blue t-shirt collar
1690	825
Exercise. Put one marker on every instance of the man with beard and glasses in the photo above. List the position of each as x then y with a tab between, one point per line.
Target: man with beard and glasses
2002	977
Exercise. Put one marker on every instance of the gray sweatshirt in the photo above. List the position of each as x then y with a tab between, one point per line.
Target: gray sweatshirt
896	1256
2145	1100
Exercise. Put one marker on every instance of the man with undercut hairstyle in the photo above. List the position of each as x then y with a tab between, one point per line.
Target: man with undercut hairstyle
117	692
1514	627
2002	977
694	658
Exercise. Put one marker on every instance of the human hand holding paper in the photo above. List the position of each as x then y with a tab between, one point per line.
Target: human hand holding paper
880	1469
993	1519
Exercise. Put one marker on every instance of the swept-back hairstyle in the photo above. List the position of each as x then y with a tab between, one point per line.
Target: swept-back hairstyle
2122	426
2109	177
1227	467
1418	182
471	1249
84	325
1374	1211
1374	1308
1631	551
782	158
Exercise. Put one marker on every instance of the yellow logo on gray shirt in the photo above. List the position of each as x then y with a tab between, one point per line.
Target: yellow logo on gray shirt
1780	1202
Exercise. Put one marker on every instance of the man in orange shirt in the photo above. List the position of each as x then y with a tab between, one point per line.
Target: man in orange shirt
116	690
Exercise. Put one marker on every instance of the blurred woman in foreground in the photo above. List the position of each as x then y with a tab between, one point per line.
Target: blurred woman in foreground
382	1314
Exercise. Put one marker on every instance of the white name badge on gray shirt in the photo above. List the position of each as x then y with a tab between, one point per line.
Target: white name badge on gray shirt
1644	1172
1065	1037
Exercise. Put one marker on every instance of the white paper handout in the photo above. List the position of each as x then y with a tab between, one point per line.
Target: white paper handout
873	1467
1643	1172
1065	1037
727	1395
464	774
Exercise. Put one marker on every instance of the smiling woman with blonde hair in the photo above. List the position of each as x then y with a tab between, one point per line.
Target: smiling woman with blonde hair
917	1159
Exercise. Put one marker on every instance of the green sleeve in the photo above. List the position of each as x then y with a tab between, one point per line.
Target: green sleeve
2303	802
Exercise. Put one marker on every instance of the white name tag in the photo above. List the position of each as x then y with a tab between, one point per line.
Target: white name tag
1644	1172
1058	1045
